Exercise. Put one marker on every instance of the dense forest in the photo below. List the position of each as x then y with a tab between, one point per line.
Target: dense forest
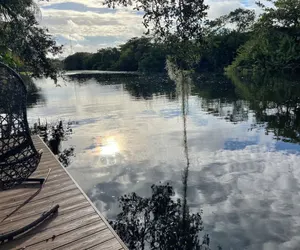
237	41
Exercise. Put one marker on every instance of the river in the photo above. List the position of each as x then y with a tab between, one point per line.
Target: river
237	139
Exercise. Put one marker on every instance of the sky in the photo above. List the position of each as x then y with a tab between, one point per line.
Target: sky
87	25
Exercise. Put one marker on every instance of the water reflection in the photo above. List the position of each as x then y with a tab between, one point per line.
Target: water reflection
160	222
106	146
275	101
145	86
246	182
272	100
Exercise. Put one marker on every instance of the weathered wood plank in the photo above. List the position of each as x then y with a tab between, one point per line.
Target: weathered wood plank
41	203
15	224
77	225
47	234
89	241
53	180
59	219
46	192
37	209
64	239
112	244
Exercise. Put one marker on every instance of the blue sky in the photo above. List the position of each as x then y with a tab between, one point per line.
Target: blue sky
87	25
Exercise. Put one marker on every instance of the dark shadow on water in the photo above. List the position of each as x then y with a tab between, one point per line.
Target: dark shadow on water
275	101
138	86
158	222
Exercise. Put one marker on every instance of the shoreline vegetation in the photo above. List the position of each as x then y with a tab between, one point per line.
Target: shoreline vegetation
241	41
270	43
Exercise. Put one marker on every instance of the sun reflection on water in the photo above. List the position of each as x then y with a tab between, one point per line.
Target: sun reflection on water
106	146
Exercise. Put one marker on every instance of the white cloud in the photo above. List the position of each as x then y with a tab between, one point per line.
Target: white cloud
88	3
123	24
218	8
222	7
76	25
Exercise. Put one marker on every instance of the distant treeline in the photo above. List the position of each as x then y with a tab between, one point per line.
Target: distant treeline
138	54
237	41
144	55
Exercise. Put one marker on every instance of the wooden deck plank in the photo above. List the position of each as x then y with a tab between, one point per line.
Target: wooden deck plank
15	224
27	188
37	205
47	234
61	240
112	244
77	225
66	205
90	241
46	193
58	219
34	234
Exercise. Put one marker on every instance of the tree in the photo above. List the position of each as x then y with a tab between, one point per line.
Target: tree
223	37
165	18
275	42
132	52
283	14
105	59
23	42
243	19
77	61
177	23
154	60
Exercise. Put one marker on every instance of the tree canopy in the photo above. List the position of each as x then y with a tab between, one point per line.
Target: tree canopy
23	42
237	41
169	18
275	41
137	54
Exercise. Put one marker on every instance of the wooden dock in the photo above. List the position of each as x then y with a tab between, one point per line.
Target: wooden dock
77	225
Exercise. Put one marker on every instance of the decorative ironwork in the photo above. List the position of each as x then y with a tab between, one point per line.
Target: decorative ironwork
18	156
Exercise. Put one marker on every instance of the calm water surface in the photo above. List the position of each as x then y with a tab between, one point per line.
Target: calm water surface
242	142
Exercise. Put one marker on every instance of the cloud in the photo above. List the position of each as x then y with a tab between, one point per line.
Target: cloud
102	29
78	7
87	3
222	7
66	22
77	20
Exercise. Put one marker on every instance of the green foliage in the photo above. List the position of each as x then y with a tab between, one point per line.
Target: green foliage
234	41
104	59
221	42
242	18
137	54
78	61
275	42
176	23
23	42
169	18
154	60
221	50
132	52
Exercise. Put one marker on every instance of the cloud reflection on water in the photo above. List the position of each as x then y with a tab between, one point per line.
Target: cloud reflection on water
246	182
